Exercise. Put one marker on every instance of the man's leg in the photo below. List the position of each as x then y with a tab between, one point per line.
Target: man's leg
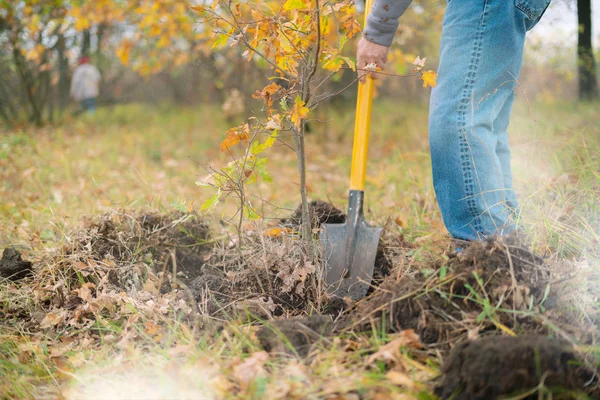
481	55
503	152
89	105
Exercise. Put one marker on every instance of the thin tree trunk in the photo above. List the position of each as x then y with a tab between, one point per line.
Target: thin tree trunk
26	78
100	36
588	82
63	74
86	43
7	100
51	96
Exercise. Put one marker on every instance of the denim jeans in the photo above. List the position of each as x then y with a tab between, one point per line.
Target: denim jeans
88	105
481	55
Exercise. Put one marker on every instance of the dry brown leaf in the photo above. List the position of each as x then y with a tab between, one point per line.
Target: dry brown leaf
401	220
258	306
58	351
390	352
250	369
295	277
84	292
151	328
53	319
150	287
400	379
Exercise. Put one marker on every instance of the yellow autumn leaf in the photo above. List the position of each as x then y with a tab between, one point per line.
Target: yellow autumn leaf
333	63
293	5
299	112
123	54
429	78
277	232
199	9
163	42
82	23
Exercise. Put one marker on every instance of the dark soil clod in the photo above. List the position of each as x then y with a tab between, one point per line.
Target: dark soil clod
492	367
12	266
295	335
321	213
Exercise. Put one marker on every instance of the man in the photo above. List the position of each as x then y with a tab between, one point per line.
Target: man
481	53
84	85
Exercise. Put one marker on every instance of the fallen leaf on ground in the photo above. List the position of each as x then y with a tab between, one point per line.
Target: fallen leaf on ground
390	352
85	291
250	369
400	379
52	319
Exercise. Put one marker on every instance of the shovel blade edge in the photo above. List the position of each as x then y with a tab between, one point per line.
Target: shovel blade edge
349	264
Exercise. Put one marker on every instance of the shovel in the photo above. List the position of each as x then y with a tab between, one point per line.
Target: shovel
349	249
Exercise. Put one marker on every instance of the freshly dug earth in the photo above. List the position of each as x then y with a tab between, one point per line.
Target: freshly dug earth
110	265
445	305
390	247
270	276
294	335
12	266
493	367
146	260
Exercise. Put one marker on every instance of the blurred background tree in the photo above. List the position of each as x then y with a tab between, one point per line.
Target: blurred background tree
588	81
156	51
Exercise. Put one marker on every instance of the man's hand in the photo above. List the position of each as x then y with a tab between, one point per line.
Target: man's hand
370	53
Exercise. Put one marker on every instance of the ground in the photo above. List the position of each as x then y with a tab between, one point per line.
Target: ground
108	211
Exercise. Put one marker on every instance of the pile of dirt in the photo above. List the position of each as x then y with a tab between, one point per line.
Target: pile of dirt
112	265
124	267
464	295
266	278
295	336
12	265
320	213
271	276
492	367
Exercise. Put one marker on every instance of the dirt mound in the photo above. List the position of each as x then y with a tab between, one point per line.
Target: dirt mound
466	293
493	367
271	275
110	266
12	266
131	268
320	212
177	239
266	278
295	335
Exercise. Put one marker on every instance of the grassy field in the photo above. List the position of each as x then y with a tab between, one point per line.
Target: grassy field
136	157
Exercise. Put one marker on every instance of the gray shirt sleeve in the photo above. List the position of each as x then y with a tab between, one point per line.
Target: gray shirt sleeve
383	21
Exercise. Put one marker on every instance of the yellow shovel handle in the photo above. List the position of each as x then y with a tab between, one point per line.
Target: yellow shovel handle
362	127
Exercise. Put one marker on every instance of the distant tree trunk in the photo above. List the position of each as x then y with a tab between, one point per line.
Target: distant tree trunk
588	82
63	74
86	43
100	36
29	86
50	96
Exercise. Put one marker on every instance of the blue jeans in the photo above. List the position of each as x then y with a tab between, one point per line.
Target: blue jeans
88	105
481	55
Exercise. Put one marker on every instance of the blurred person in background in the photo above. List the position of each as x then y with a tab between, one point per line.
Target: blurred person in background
85	85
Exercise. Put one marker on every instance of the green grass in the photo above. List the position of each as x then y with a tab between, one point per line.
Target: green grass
137	157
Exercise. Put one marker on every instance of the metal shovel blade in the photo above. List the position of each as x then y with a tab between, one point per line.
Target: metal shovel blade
349	252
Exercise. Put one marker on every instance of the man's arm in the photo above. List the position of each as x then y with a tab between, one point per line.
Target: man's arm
382	22
379	33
